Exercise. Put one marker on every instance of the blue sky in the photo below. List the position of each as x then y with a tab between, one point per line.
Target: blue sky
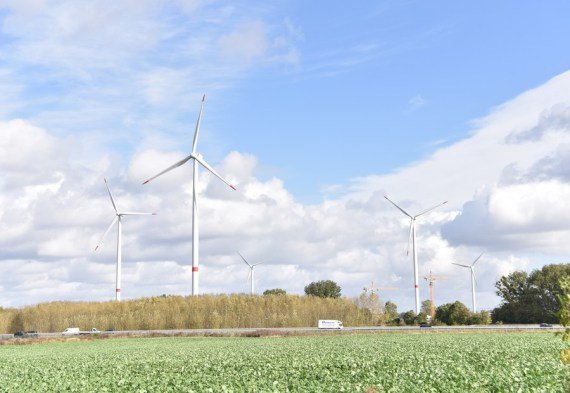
372	87
315	109
459	59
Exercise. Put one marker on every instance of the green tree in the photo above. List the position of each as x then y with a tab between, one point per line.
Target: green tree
323	288
421	317
391	310
409	317
480	318
426	307
275	291
513	287
453	314
442	313
17	323
531	298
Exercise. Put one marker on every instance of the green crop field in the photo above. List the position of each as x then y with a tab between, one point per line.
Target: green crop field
493	362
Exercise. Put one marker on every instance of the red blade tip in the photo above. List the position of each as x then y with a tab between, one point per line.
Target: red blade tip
96	248
204	98
154	214
146	182
233	187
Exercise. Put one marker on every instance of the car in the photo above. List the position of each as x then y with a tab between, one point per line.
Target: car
95	331
545	325
425	325
29	333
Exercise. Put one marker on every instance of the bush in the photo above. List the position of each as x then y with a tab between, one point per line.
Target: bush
276	291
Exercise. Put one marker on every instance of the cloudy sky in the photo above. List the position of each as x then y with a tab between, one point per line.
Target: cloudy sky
315	110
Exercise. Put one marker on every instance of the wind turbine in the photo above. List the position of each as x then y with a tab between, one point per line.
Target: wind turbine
118	219
412	237
251	270
197	159
473	279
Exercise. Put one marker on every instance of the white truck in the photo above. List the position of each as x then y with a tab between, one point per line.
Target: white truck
74	331
329	324
71	331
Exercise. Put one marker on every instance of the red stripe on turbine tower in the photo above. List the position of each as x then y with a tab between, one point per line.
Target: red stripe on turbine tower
118	290
416	286
194	268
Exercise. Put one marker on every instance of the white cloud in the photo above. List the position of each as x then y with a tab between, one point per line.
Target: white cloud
246	43
417	102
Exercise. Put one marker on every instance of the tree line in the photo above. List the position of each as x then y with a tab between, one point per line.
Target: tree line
536	297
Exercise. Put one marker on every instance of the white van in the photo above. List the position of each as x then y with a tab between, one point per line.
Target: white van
329	324
70	331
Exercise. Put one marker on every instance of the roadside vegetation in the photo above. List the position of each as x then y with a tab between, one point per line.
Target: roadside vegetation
190	312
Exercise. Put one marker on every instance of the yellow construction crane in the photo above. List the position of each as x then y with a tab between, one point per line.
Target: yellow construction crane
376	289
431	279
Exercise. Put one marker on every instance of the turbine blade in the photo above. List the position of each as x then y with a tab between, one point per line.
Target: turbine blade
110	195
430	209
458	264
410	236
137	214
208	167
398	207
475	261
179	163
258	263
105	234
244	259
197	130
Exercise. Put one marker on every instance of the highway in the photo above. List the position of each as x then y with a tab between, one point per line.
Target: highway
308	330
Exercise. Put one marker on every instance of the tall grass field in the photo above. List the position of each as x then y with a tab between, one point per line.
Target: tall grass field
428	362
185	312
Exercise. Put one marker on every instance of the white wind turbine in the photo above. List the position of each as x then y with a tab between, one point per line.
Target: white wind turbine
251	270
473	279
118	219
197	159
412	237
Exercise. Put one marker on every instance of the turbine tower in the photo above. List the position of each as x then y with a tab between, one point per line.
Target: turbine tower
473	279
118	219
197	159
412	237
251	270
431	279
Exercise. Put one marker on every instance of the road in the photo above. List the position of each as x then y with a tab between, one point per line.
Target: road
310	330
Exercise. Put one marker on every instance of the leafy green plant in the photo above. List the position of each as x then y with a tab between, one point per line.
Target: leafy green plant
564	316
499	362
